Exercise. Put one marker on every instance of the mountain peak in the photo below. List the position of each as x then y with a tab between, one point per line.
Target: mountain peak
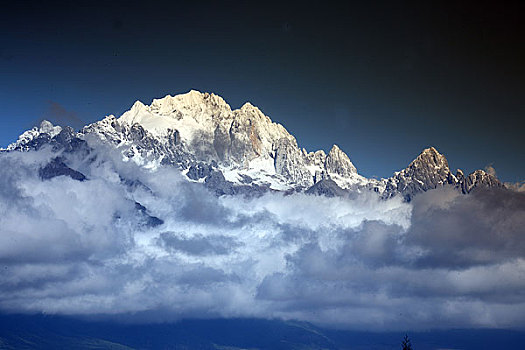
46	126
429	170
248	105
338	162
138	105
430	157
189	100
335	149
480	178
36	136
431	150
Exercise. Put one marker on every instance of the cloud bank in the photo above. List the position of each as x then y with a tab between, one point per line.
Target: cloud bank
80	248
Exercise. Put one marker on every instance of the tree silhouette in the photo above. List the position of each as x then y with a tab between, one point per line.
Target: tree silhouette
406	343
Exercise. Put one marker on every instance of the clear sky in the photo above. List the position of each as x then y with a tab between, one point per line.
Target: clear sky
382	80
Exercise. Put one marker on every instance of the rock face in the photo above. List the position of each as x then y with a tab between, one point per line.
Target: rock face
57	167
238	151
480	179
430	170
337	162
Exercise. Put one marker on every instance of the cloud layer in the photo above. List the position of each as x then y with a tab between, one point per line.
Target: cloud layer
70	247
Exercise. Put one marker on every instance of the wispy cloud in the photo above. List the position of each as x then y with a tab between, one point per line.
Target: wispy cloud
70	247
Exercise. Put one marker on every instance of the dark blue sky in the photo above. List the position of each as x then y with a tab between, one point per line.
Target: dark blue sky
382	80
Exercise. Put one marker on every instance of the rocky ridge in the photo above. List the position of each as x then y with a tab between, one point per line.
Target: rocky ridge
240	151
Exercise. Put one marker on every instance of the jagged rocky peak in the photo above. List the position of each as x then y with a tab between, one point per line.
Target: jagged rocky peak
137	106
430	166
430	158
257	131
190	98
249	108
35	137
480	178
429	170
193	111
57	137
48	128
190	102
203	127
337	162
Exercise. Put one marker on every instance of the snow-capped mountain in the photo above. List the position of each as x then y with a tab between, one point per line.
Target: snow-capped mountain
239	151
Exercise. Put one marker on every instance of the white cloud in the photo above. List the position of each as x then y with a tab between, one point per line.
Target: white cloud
70	247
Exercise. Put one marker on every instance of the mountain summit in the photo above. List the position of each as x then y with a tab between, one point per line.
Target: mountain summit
240	150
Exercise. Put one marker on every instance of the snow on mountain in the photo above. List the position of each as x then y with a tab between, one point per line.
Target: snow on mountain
235	150
242	143
42	134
